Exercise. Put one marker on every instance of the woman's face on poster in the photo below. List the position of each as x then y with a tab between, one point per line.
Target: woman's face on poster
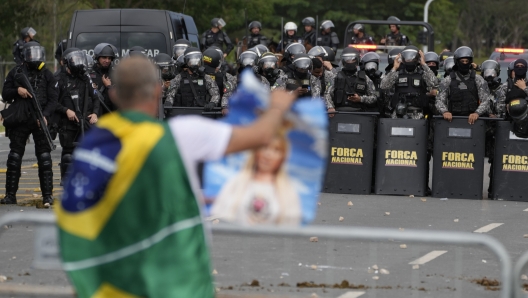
270	157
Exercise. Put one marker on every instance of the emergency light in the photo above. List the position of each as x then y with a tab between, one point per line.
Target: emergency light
508	50
364	46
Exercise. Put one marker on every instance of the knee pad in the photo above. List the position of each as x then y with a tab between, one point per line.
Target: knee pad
44	160
14	159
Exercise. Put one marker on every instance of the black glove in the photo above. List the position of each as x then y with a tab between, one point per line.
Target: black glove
209	106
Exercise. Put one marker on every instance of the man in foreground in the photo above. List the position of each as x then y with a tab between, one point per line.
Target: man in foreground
130	222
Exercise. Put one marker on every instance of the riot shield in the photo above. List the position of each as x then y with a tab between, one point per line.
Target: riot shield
458	158
351	155
401	157
510	165
179	111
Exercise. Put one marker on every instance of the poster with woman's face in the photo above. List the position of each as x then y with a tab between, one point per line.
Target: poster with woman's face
276	184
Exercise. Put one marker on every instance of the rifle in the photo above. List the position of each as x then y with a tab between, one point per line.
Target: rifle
22	80
78	112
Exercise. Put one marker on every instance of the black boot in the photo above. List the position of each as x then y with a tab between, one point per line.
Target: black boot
66	160
46	178
14	162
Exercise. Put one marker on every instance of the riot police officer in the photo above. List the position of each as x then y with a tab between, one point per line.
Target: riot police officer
395	38
327	37
255	37
393	54
309	39
370	64
463	92
290	29
104	55
410	84
179	48
192	87
326	80
259	50
268	66
226	83
299	79
360	36
216	37
515	87
26	35
249	60
23	124
353	90
449	62
167	70
329	60
444	55
291	51
78	105
61	47
433	61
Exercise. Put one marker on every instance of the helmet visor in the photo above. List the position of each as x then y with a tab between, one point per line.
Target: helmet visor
327	24
409	55
302	64
448	64
269	64
221	22
31	31
350	58
35	53
89	61
76	59
193	59
489	73
247	58
317	52
371	65
178	50
295	49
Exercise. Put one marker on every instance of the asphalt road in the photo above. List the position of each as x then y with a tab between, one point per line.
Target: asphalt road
283	267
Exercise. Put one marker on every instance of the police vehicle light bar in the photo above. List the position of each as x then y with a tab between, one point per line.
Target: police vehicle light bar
507	50
364	46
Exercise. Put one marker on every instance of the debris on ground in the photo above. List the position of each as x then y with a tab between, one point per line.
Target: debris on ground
403	246
314	239
350	203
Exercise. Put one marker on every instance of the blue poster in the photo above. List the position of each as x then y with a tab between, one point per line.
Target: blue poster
277	184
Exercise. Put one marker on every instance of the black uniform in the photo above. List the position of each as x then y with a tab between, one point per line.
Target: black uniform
329	40
209	38
309	38
287	41
88	103
346	84
366	39
45	87
396	39
17	51
256	39
97	78
463	100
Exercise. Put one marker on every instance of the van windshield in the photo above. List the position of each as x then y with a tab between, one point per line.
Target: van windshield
154	43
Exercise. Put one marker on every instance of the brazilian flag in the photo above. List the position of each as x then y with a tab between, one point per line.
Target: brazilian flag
129	222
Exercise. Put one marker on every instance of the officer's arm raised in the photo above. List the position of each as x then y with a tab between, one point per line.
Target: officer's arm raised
262	131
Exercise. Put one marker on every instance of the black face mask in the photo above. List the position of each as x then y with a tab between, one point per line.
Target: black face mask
520	72
350	67
301	75
410	67
463	68
434	69
271	72
493	82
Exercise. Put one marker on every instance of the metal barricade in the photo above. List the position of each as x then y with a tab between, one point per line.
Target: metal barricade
351	157
458	157
401	160
517	272
510	165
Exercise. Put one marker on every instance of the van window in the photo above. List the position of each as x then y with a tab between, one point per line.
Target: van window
154	43
88	41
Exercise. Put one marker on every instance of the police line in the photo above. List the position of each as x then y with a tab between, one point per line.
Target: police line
398	163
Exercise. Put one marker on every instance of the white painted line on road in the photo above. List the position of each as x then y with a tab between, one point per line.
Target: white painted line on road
428	257
488	228
351	295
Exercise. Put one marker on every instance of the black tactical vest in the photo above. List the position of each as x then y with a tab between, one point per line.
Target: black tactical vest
346	85
218	77
289	40
40	85
324	40
513	92
254	40
214	39
294	81
198	98
410	88
463	95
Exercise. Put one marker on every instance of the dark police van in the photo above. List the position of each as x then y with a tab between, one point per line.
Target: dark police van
154	30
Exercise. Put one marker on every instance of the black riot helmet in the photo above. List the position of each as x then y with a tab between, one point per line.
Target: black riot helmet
518	109
410	58
27	32
247	59
218	23
392	55
449	62
180	63
350	59
105	50
255	24
89	61
76	61
295	48
490	71
370	63
302	65
166	66
268	65
326	25
66	52
393	18
34	55
330	54
433	57
444	55
463	53
211	59
137	51
179	47
192	58
308	21
359	27
259	49
61	47
317	51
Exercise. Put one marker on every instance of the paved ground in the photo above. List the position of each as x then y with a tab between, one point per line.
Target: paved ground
285	267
